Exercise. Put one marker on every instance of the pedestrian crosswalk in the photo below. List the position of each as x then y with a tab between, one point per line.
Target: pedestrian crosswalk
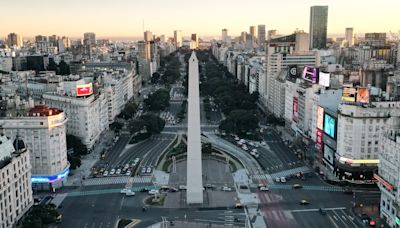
110	191
289	172
305	187
116	180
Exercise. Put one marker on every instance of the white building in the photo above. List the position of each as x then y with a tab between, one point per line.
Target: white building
15	182
87	112
178	38
43	131
389	173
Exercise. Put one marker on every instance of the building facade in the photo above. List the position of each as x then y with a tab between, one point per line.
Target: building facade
318	26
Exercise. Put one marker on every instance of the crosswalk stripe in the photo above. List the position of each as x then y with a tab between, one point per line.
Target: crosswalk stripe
116	180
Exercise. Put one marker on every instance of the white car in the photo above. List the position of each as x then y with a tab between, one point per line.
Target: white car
263	143
144	170
244	147
125	190
128	173
136	160
112	172
277	179
105	173
182	187
118	171
129	193
264	189
148	170
126	166
153	192
237	138
226	189
256	155
283	179
251	143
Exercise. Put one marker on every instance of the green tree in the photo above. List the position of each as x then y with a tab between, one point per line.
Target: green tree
240	121
76	144
158	101
155	77
129	110
153	123
74	161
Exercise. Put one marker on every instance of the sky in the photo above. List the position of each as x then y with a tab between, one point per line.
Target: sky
124	18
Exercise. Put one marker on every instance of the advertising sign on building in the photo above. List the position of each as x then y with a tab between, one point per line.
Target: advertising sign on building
292	71
363	95
295	113
319	140
329	125
324	79
310	74
84	90
320	117
349	94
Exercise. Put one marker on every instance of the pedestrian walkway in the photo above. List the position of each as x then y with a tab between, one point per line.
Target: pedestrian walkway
289	172
109	191
266	177
116	180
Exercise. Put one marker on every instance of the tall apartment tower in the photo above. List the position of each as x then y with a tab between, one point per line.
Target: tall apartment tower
318	26
261	34
224	35
178	38
89	38
252	31
350	37
14	39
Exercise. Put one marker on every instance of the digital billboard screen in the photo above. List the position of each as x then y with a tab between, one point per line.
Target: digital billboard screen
320	117
324	79
362	95
295	113
319	140
310	74
84	90
329	125
328	154
349	94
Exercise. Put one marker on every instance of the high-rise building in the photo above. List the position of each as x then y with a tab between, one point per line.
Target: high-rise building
243	37
252	31
224	35
194	41
14	39
143	56
271	34
148	36
349	37
261	34
16	189
40	38
178	38
43	130
89	38
318	26
53	40
162	39
375	39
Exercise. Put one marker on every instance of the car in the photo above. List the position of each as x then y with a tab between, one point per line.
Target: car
145	189
264	189
112	172
244	147
144	170
173	190
226	189
128	173
153	192
129	193
347	190
263	143
283	179
304	202
210	186
237	138
365	218
126	166
105	173
118	171
238	205
243	186
136	160
182	187
149	169
256	155
125	190
277	179
296	186
251	143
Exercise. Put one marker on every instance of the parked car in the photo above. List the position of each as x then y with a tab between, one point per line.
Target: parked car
128	173
277	179
283	179
112	172
105	173
144	170
118	171
149	169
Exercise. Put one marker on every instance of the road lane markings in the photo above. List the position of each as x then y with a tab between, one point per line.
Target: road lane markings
334	223
317	209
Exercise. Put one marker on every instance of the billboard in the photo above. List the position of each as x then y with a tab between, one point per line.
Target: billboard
84	90
319	140
328	154
292	71
310	74
349	94
329	125
324	79
295	110
362	95
320	117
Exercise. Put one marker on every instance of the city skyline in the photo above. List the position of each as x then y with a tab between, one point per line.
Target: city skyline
108	20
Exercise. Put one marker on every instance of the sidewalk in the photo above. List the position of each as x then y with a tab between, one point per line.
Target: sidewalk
89	160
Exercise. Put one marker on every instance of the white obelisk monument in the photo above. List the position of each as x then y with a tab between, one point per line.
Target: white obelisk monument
194	194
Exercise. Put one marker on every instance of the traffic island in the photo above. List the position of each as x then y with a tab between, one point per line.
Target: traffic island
156	202
127	223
